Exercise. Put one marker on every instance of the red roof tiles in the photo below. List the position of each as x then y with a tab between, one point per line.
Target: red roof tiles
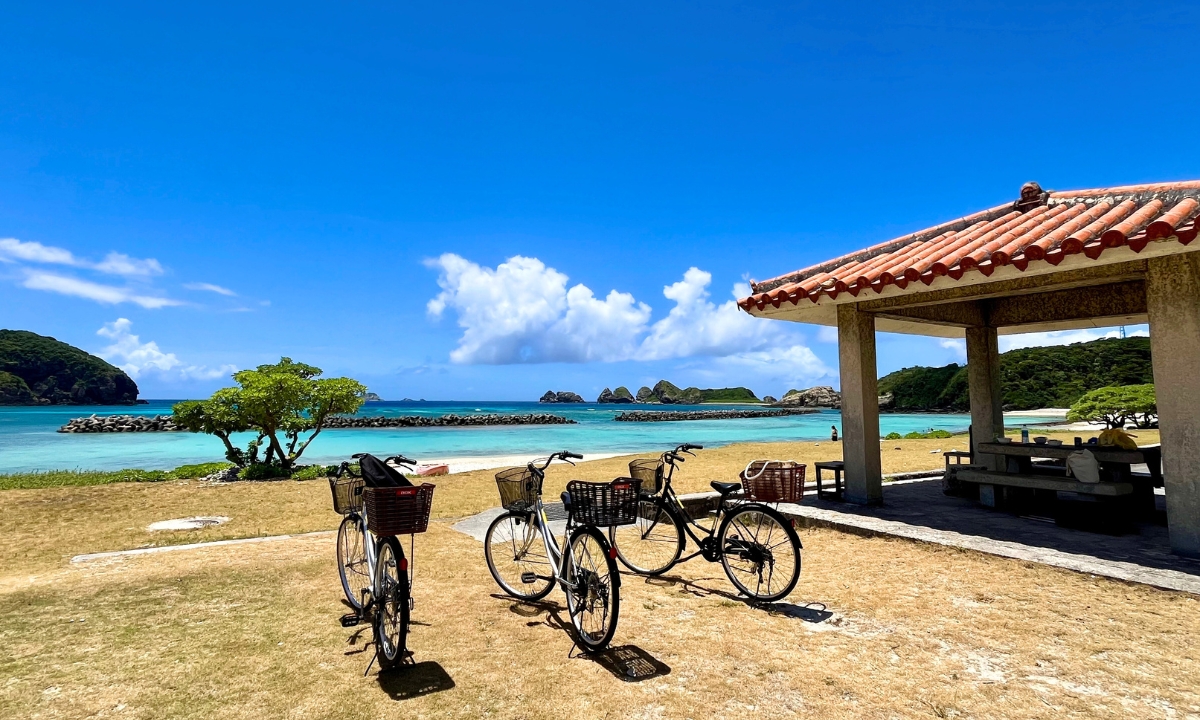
1041	227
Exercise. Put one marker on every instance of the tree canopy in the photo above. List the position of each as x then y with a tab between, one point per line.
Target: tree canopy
1114	406
286	404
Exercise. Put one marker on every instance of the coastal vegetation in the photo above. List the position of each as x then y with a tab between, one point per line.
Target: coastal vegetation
81	478
1115	406
1031	378
39	370
285	399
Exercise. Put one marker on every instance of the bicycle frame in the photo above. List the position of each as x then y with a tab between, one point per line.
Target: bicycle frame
671	500
553	553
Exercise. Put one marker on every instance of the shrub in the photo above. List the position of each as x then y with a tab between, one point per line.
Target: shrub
264	471
311	472
892	436
914	435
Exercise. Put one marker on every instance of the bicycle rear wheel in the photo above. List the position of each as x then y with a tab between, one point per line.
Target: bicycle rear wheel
513	547
594	597
352	560
651	545
760	552
390	623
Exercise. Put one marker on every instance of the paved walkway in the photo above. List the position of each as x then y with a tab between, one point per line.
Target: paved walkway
918	510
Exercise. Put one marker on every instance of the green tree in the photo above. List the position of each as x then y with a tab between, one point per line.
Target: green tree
286	404
1114	406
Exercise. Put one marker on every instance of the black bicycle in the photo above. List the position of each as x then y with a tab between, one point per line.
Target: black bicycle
758	548
376	576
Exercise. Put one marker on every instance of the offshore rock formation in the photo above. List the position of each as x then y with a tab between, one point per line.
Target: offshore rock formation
560	397
673	416
646	395
39	370
669	394
821	396
769	399
620	395
120	423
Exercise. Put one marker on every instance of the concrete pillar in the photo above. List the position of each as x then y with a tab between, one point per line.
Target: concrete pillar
987	401
1173	304
860	405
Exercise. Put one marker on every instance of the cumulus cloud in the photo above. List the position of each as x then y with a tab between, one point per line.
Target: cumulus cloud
524	312
209	287
138	358
1067	337
105	294
957	345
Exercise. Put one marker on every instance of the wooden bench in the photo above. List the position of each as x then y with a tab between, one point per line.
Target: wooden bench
1103	506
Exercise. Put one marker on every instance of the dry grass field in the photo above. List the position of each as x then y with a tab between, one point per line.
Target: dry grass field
876	628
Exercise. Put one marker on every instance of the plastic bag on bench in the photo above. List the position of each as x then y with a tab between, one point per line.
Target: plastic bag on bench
1082	465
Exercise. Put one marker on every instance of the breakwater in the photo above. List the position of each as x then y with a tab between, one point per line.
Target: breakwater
164	423
450	420
675	416
120	423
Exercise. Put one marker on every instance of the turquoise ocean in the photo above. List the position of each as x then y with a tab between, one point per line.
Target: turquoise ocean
29	441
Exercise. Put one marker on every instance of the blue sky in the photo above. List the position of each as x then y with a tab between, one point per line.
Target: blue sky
413	194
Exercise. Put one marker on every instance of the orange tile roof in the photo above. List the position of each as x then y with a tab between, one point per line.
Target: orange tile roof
1041	227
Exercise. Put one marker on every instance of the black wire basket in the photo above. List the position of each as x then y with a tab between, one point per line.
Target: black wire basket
398	510
519	489
605	504
347	494
650	472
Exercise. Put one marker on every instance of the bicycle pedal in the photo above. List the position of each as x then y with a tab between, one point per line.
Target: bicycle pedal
349	620
528	578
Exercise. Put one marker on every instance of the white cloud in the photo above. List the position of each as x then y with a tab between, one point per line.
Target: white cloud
105	294
1067	337
209	287
523	312
957	345
138	358
12	250
827	334
116	263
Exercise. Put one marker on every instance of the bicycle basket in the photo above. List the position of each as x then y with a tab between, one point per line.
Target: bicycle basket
519	489
650	472
605	504
774	481
347	494
398	510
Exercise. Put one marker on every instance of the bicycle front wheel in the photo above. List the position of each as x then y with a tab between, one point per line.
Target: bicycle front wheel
514	548
594	592
390	623
653	543
352	560
760	552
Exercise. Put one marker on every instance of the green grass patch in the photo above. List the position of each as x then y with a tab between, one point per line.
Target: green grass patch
80	478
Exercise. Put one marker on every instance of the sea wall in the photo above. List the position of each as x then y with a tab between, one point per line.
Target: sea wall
120	423
164	423
669	416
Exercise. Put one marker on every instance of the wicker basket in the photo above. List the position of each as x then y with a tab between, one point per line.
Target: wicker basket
605	504
398	510
519	489
650	472
347	494
774	481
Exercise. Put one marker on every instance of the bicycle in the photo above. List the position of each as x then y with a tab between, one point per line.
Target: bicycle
526	561
757	547
376	576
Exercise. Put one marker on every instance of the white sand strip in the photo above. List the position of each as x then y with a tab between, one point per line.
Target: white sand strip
192	546
467	464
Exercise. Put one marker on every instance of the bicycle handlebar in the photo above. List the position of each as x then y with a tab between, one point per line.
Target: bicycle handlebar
563	455
400	460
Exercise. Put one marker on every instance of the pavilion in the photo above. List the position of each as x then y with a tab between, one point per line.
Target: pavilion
1048	261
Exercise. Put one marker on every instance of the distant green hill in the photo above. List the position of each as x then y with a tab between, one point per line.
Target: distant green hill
728	395
39	370
1031	378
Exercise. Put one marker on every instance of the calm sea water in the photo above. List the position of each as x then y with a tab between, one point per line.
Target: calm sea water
29	441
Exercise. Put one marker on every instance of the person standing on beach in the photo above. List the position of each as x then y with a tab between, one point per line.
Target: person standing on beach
833	435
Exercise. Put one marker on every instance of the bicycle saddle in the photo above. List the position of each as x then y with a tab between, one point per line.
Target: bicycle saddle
725	488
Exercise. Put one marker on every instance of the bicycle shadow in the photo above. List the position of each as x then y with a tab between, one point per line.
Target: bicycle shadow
629	663
411	681
535	608
813	612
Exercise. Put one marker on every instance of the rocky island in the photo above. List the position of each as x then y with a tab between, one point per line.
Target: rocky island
560	397
620	395
39	370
